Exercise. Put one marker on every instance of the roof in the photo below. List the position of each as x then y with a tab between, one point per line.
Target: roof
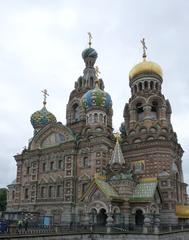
109	192
144	191
117	156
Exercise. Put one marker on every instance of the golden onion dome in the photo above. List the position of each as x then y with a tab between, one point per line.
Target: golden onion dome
145	67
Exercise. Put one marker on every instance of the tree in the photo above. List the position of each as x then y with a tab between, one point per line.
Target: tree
3	199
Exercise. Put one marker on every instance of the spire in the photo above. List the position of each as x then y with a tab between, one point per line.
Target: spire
117	155
45	94
144	48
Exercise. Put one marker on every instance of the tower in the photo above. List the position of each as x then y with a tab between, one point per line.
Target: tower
149	144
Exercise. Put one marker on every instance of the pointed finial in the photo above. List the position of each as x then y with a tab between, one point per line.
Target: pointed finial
90	38
144	48
45	94
117	136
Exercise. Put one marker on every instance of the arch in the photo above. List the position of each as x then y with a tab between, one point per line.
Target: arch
151	85
157	99
137	140
45	132
162	137
140	86
149	138
145	85
137	100
138	208
143	130
139	217
76	112
101	217
135	89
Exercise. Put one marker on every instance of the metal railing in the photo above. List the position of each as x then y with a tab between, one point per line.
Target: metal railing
77	228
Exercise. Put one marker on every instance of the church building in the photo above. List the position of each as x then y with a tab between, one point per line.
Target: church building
82	172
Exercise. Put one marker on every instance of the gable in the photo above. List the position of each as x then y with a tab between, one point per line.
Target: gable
51	135
146	191
103	189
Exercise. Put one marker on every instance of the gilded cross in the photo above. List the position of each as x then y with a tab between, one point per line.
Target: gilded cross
90	39
45	94
144	47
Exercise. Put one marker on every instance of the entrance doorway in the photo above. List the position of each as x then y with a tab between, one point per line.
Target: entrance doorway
101	217
139	218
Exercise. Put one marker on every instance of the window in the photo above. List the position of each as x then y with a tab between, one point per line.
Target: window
26	193
84	187
60	164
44	167
51	165
13	194
151	85
145	85
154	110
76	112
140	111
95	118
58	193
140	86
42	192
50	191
86	162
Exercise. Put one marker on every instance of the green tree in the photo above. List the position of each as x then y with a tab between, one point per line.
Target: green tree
3	199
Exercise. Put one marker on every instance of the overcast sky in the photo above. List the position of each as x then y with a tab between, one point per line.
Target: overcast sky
41	44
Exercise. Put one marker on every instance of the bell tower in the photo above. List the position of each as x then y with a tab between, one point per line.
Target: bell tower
75	114
149	143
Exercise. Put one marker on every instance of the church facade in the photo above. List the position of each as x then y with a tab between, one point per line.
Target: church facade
83	172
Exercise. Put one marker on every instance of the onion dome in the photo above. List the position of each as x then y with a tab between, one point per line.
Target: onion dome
89	55
145	67
89	52
41	118
96	98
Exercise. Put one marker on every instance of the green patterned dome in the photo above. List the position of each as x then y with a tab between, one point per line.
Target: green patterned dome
96	98
89	52
41	118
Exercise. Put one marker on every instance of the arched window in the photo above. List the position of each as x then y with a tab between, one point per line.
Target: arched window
50	191
154	110
135	88
156	86
101	117
42	192
145	85
58	193
140	111
95	118
86	162
140	86
26	193
76	112
151	85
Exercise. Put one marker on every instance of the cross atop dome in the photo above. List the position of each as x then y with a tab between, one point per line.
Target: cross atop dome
90	38
45	94
144	48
